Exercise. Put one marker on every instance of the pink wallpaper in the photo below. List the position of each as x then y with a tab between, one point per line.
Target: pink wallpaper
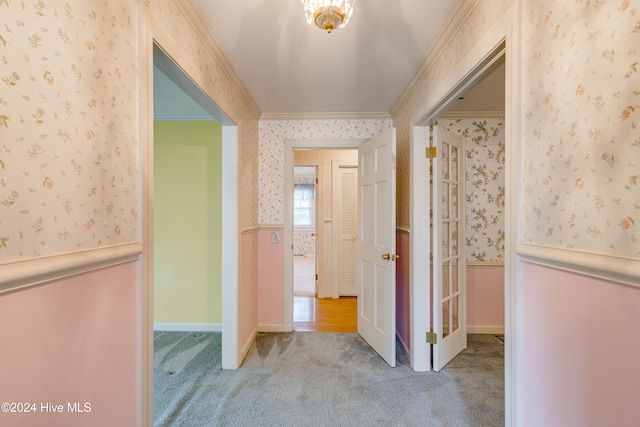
579	351
72	340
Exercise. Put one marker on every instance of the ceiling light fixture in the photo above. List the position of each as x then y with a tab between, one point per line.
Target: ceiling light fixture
328	14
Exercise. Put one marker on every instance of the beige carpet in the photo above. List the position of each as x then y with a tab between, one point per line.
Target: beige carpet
321	379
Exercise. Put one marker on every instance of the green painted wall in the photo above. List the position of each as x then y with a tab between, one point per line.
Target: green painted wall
187	222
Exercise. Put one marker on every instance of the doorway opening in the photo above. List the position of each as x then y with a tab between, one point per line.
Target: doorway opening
479	118
324	240
467	176
304	231
155	56
489	66
325	308
187	224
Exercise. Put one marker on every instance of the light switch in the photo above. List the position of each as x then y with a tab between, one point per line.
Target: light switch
275	237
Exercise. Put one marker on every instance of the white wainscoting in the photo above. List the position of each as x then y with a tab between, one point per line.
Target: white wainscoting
22	273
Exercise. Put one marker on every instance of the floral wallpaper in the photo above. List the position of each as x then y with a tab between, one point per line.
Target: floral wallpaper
173	16
273	133
430	87
304	243
484	186
581	145
69	121
68	126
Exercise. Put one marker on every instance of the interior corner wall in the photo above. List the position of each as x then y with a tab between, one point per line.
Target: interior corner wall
69	163
187	222
580	148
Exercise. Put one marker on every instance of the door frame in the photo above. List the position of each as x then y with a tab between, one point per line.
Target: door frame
316	209
289	146
505	39
151	35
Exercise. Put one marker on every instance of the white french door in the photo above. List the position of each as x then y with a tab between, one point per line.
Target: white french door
449	263
377	244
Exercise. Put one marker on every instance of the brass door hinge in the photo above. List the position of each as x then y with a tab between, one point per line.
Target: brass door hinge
316	277
432	338
431	152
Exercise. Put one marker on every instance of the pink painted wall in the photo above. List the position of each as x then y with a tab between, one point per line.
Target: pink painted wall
485	295
248	288
580	350
403	295
72	340
271	278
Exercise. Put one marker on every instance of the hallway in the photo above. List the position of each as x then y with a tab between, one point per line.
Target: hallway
325	314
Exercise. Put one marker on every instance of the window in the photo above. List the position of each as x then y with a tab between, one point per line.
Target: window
303	205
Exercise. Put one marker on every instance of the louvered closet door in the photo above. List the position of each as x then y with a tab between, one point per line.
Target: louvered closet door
347	213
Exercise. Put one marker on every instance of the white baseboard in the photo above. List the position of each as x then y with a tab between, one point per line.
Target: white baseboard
266	327
188	327
489	330
247	346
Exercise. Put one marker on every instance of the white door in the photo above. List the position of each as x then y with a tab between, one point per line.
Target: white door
377	244
449	264
345	207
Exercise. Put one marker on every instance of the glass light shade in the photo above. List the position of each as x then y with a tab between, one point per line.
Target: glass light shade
328	14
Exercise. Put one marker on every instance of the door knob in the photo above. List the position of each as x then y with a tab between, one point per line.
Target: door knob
386	257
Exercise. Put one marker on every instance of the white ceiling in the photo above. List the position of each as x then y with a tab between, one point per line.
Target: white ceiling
374	91
290	67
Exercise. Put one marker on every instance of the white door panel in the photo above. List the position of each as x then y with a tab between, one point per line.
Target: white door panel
376	244
449	263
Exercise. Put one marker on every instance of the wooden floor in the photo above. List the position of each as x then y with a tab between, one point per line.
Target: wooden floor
325	314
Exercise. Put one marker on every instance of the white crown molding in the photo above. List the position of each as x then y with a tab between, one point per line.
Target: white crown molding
460	15
181	117
22	273
195	18
325	116
607	267
473	115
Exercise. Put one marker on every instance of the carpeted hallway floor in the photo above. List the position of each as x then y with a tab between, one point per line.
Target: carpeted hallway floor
321	379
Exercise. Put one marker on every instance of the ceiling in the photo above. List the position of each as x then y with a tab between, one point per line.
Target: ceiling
286	87
290	67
